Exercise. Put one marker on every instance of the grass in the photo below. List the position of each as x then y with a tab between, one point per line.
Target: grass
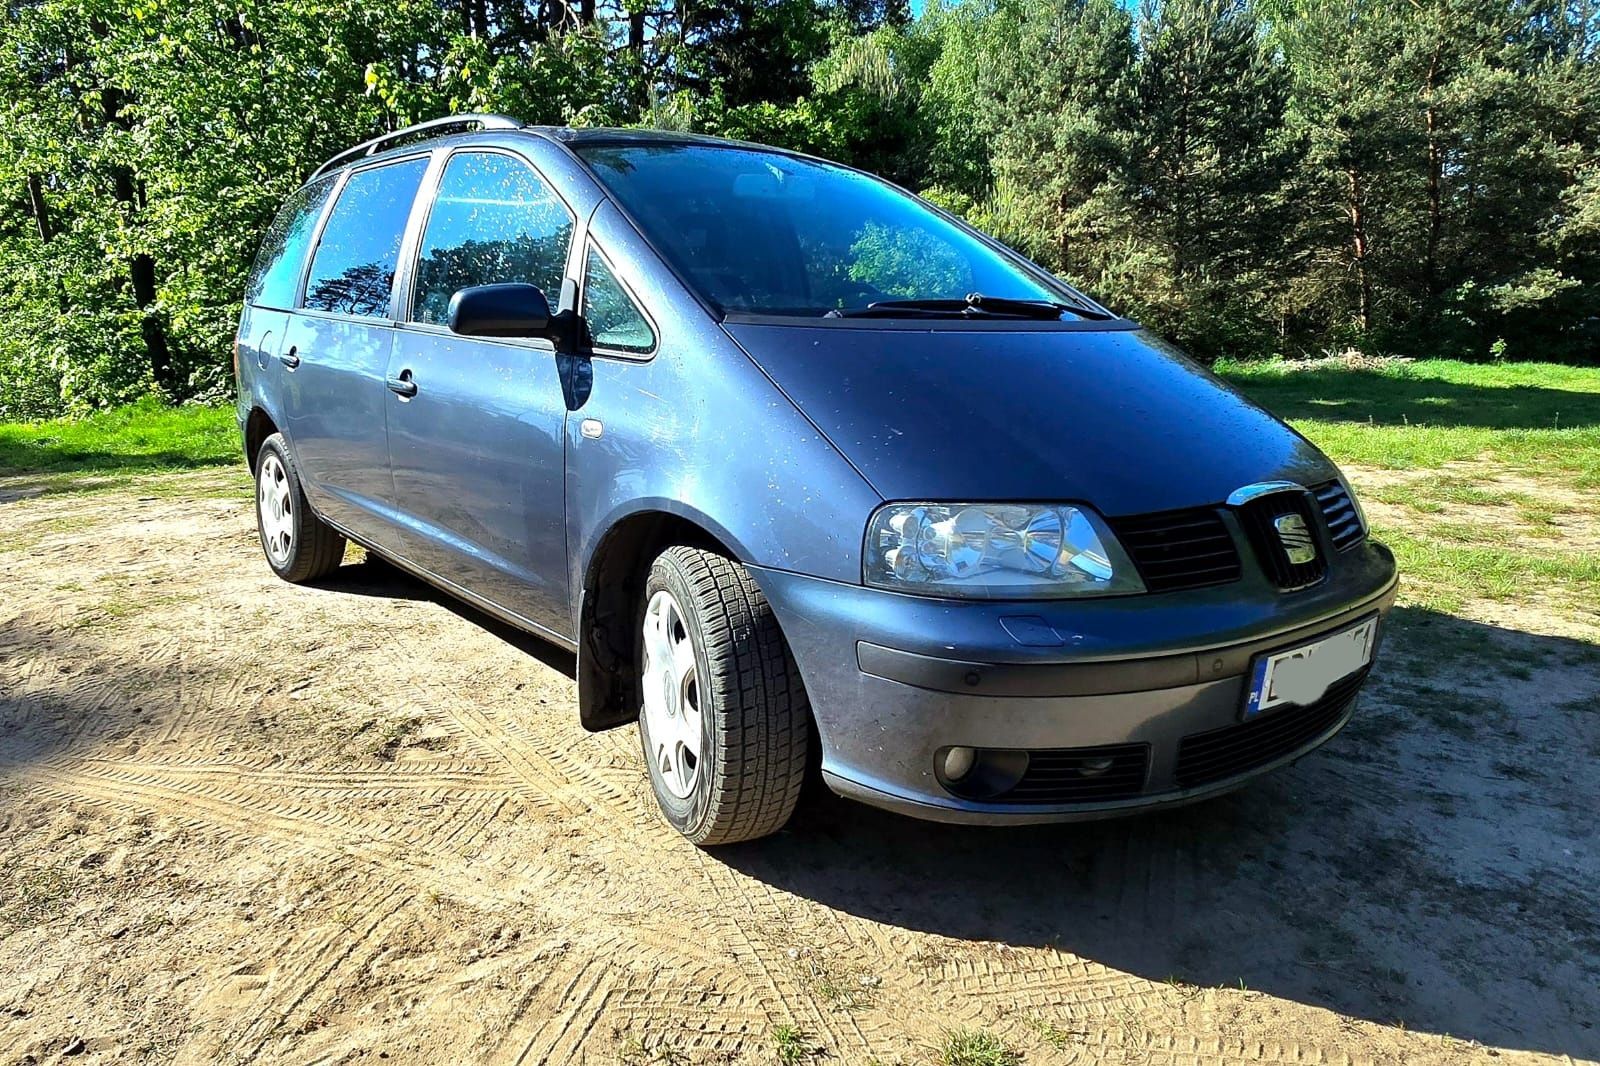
634	1053
1538	423
34	894
791	1046
1463	715
975	1047
1529	417
142	437
1058	1038
394	736
1436	560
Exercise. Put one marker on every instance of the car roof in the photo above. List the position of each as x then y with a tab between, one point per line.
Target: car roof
467	129
578	135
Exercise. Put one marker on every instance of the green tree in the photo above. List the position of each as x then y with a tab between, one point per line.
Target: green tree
1443	138
1205	175
1413	176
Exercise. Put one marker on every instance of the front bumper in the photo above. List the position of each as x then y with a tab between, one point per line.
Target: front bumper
1153	684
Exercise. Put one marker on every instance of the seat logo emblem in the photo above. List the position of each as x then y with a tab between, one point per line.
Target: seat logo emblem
1295	537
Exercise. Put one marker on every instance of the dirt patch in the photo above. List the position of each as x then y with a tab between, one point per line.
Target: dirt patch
1501	516
1484	495
243	821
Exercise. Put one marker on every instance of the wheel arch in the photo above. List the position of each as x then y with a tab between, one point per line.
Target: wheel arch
257	428
613	578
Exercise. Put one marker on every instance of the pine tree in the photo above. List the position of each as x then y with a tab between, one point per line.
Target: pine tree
1206	172
1053	94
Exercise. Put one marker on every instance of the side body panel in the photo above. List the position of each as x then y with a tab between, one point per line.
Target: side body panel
478	454
333	409
275	280
260	331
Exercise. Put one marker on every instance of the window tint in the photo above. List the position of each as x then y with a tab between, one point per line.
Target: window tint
492	221
770	233
276	274
353	269
612	318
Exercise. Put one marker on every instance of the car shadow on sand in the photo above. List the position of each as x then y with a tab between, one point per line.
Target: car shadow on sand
377	577
1433	866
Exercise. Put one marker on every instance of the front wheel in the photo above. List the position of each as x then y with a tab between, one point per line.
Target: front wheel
298	545
724	718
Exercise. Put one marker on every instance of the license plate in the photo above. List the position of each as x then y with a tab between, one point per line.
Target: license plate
1303	675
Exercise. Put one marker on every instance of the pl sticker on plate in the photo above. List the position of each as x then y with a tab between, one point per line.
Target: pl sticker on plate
1303	675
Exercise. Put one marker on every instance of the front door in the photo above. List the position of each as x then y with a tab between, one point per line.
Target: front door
336	349
476	432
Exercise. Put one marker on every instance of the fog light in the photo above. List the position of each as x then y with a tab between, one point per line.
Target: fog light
979	773
958	762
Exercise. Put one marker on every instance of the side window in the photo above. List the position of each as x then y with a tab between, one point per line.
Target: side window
353	269
612	318
492	221
276	274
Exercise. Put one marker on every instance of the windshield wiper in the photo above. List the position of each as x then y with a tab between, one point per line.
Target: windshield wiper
1038	307
976	305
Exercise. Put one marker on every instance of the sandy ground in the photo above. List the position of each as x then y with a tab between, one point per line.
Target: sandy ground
246	822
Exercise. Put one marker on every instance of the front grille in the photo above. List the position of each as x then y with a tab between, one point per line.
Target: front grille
1175	550
1235	749
1075	775
1339	512
1258	517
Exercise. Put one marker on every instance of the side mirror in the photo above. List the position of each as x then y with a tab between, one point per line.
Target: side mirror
512	309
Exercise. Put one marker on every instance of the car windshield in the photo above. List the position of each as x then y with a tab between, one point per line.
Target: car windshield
767	233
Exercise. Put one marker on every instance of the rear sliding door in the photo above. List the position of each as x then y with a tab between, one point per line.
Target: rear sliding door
336	348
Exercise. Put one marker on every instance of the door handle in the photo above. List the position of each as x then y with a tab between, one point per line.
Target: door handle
403	386
290	358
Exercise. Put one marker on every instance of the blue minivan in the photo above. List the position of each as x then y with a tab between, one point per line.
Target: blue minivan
809	474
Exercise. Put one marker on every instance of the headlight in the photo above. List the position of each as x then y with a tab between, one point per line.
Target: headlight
996	551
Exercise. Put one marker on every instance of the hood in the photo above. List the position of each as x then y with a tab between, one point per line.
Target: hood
1118	419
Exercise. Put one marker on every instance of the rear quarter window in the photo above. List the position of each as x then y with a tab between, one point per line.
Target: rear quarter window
275	277
352	270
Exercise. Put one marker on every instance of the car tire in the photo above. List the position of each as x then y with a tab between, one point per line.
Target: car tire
723	678
299	546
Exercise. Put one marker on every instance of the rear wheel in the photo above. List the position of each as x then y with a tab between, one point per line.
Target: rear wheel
298	545
724	719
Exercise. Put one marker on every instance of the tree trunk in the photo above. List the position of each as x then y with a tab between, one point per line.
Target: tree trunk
586	11
142	267
1355	207
1430	269
1180	178
1062	244
240	34
41	210
642	84
475	18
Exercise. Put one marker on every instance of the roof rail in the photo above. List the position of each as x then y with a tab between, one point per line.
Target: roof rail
436	125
